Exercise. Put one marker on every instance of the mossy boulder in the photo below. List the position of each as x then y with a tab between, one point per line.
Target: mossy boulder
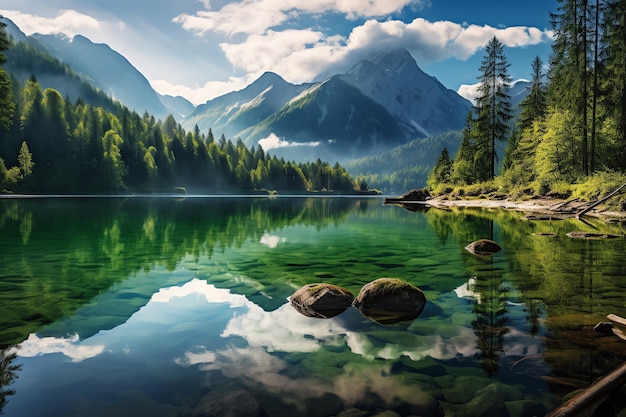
483	247
321	300
390	300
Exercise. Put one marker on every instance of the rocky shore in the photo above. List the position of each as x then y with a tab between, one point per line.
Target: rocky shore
541	206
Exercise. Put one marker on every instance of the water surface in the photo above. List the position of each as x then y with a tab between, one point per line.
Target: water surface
178	307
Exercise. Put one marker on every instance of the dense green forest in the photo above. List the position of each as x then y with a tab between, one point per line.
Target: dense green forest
570	138
52	144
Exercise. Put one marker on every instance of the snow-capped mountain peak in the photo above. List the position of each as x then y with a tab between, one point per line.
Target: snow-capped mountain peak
393	79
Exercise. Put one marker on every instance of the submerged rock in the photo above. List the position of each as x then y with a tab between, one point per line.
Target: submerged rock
390	300
321	300
483	247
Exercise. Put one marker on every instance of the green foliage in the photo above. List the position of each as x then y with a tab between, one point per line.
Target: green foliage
598	185
442	170
493	108
7	105
76	147
554	159
572	128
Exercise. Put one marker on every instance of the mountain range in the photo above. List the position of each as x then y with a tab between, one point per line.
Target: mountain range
98	65
379	103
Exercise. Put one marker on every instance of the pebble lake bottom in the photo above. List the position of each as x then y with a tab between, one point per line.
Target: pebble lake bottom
179	307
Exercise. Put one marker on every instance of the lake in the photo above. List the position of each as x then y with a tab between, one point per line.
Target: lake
138	306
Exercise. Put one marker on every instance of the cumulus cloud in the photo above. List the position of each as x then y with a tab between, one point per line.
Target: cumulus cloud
68	22
274	142
257	16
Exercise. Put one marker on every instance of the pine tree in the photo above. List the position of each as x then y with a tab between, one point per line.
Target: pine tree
442	170
569	73
464	166
493	107
535	103
612	52
7	105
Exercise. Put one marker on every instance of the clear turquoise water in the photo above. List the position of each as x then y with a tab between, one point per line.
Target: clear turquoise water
178	307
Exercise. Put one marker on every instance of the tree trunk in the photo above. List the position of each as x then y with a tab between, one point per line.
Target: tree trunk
597	203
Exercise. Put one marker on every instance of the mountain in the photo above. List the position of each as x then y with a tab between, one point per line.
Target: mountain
420	102
111	72
518	92
27	57
236	111
381	102
338	117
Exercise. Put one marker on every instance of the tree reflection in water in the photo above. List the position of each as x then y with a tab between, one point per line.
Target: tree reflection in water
8	374
490	310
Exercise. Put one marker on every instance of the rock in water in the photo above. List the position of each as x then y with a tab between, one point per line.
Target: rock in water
321	300
483	247
390	300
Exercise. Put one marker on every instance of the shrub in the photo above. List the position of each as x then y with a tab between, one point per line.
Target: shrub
598	185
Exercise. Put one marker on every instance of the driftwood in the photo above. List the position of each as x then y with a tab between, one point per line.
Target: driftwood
602	200
586	402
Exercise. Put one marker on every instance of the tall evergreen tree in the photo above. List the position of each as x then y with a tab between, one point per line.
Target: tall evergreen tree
613	55
569	73
535	103
493	107
464	166
7	105
533	108
442	170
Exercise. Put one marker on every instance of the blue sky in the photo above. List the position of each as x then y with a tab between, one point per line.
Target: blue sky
201	49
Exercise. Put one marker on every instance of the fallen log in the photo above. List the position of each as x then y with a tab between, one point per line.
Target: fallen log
587	401
597	203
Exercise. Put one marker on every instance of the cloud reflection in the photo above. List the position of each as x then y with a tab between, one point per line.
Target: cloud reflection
271	241
72	347
281	330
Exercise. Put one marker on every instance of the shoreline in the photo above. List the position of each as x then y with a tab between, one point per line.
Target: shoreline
539	206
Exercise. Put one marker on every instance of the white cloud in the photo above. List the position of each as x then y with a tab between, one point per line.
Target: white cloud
257	16
199	95
68	22
274	142
71	347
